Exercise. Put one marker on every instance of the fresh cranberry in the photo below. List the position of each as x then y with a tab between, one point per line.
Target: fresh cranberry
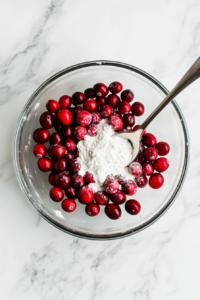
132	207
101	198
80	132
135	168
65	101
115	122
69	205
129	187
118	198
156	180
100	89
149	140
85	195
56	194
76	110
39	150
128	120
89	93
92	209
161	164
77	181
96	117
115	87
113	100
65	116
70	144
119	178
84	118
55	138
68	131
147	169
57	151
101	101
41	135
60	165
76	153
47	120
163	148
117	113
52	105
150	153
137	127
111	185
127	95
78	98
106	111
140	158
74	165
45	164
141	181
141	148
88	177
63	180
124	107
90	105
52	176
137	109
92	130
71	192
57	125
113	211
69	155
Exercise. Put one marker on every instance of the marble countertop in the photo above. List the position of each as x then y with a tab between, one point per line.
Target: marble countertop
39	38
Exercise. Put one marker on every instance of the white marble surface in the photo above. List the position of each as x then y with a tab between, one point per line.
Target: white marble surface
37	261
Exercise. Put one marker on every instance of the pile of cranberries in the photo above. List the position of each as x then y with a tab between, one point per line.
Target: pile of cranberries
75	117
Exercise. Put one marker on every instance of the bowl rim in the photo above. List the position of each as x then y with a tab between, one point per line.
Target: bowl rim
16	139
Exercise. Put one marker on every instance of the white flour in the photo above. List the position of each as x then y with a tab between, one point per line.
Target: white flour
104	155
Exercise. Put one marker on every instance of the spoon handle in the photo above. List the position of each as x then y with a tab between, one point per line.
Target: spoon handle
192	74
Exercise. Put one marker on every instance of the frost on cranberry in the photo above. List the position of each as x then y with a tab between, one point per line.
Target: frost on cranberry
65	101
41	135
45	164
137	109
85	195
118	198
78	98
132	207
111	185
92	209
141	181
100	89
163	148
84	118
90	105
115	122
88	177
92	130
63	180
76	110
135	168
56	194
150	153
101	198
112	100
47	120
70	144
57	151
124	107
106	111
156	181
115	87
127	95
96	117
149	140
39	150
74	165
68	205
77	181
113	211
129	187
80	132
161	164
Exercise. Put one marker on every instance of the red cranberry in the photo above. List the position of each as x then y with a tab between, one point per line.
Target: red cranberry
55	138
106	111
69	156
119	178
135	168
89	93
100	89
52	176
137	109
88	177
65	101
63	180
56	194
90	105
92	130
140	158
57	125
71	192
115	87
76	153
156	180
41	135
141	181
118	198
137	127
65	116
117	113
76	110
149	140
60	165
84	118
47	120
150	153
147	169
113	211
96	117
101	198
111	185
68	131
113	100
70	144
78	98
163	148
161	164
115	122
101	101
45	164
52	105
127	95
92	209
74	165
80	132
77	181
57	151
124	107
128	120
141	148
69	205
85	195
129	187
132	207
39	150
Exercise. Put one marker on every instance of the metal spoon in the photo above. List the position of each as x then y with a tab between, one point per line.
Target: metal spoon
135	137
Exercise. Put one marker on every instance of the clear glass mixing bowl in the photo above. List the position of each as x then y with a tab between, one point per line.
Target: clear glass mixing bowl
169	126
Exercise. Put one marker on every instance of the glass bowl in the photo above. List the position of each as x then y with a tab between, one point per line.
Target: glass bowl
169	126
